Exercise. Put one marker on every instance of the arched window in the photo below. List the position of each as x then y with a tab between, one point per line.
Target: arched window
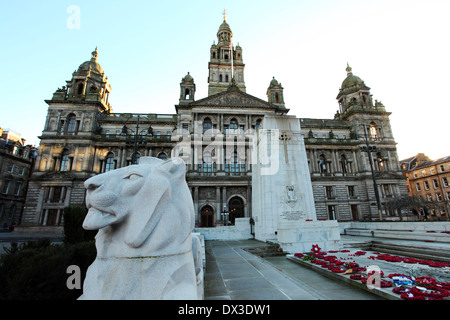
226	78
65	166
71	123
186	94
207	216
380	163
80	88
110	163
207	124
220	78
373	132
277	97
233	125
323	168
344	164
258	123
236	209
162	156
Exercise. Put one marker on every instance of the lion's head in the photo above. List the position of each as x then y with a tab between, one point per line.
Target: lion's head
146	203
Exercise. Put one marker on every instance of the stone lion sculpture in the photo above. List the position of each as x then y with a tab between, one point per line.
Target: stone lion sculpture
145	217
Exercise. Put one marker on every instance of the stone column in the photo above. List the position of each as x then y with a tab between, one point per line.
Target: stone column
197	217
218	204
224	197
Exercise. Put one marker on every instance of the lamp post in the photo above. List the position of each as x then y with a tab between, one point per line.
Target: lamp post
369	149
125	132
225	214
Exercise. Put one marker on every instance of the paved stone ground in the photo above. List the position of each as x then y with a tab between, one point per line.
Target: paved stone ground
234	274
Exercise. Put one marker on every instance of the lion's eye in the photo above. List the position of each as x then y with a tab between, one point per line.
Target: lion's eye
133	176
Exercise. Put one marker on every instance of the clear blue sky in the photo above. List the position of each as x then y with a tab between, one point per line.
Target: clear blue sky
399	48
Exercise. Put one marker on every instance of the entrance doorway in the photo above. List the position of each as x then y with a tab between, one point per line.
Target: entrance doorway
235	208
354	209
207	217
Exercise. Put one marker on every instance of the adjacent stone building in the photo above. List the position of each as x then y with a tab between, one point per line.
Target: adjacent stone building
82	136
428	180
16	163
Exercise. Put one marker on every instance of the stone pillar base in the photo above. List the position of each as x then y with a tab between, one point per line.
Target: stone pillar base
299	237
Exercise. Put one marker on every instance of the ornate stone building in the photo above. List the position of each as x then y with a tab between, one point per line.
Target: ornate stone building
82	137
428	180
16	162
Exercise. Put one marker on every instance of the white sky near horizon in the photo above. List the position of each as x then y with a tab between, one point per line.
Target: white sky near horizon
399	48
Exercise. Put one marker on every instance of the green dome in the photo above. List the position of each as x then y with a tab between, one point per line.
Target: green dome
95	67
188	78
92	64
225	27
351	81
274	82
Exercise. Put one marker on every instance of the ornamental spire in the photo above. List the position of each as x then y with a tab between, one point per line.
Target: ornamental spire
224	15
94	55
348	69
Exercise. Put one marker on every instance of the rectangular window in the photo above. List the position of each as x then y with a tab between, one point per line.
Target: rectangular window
426	185
432	171
21	171
351	191
10	167
441	168
417	186
66	163
331	212
445	181
57	192
17	188
5	187
330	192
438	196
435	183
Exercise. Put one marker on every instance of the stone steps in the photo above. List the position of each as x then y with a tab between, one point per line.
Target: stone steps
426	253
400	234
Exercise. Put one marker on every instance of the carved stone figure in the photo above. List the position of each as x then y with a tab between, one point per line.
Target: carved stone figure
145	217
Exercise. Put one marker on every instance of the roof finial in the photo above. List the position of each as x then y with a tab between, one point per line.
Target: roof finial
94	54
348	69
224	15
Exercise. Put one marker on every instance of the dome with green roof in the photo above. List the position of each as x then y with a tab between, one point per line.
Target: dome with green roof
351	80
274	82
92	64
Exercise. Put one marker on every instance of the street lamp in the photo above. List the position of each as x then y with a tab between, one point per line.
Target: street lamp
369	149
225	214
135	143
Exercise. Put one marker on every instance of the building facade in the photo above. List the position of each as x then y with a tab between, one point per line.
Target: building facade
83	137
428	180
16	163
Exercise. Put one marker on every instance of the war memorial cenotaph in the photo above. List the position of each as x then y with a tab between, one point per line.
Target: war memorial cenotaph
283	202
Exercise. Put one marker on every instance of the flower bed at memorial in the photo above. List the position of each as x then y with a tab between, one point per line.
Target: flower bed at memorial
406	286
